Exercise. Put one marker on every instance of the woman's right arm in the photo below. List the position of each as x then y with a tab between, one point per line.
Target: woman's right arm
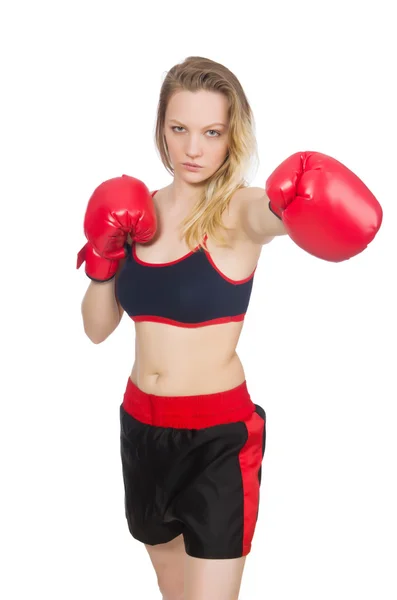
100	309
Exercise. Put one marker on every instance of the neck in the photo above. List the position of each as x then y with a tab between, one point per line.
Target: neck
182	196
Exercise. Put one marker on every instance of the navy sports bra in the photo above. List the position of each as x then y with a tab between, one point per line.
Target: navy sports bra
187	292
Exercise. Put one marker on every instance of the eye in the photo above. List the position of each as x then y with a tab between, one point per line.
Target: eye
217	133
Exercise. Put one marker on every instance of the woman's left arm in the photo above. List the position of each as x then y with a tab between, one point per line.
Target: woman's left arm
256	219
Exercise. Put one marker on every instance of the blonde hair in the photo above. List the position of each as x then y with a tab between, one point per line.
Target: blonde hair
193	74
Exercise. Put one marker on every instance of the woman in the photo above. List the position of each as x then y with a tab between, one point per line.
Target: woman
181	262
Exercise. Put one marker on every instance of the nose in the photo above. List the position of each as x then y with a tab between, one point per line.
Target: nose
193	147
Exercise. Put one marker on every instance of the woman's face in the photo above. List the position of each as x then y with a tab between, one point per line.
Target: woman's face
196	131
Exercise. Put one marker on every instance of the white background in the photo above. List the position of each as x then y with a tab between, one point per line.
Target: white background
80	84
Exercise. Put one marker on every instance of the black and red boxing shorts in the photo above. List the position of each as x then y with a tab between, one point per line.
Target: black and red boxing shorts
192	466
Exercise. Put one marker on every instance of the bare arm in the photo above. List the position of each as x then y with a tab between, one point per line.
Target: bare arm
100	309
257	220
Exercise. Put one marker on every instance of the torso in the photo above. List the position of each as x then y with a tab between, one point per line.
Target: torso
178	361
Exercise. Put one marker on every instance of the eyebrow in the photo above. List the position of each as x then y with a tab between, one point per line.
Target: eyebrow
210	125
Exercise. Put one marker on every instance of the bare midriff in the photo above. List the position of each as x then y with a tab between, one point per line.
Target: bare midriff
180	361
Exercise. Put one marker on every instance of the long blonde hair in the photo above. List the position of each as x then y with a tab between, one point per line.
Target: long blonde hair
193	74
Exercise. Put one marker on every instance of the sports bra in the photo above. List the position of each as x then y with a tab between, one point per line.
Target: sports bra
188	292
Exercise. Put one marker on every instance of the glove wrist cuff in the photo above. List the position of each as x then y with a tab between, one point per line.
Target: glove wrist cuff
97	268
274	211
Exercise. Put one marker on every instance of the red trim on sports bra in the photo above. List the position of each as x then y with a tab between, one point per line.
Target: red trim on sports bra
235	281
166	321
166	264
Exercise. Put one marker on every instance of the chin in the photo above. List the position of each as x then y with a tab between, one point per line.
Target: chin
192	177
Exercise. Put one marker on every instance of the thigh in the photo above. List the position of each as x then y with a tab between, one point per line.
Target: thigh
213	579
168	561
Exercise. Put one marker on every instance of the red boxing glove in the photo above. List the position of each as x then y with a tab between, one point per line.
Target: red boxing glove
97	268
118	207
326	209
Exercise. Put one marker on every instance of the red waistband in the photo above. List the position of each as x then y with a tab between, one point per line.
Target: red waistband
188	412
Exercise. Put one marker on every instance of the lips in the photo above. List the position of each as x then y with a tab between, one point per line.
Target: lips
192	165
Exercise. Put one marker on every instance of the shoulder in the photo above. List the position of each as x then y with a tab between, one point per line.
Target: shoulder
245	195
253	217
